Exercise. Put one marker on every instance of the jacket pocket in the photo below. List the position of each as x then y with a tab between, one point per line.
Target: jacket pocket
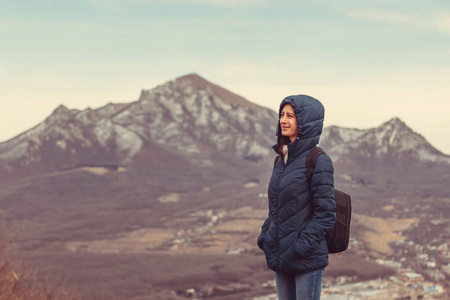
296	245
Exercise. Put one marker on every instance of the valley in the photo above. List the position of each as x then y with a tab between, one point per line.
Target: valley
163	198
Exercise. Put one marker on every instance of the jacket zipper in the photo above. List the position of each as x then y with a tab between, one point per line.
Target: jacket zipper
278	212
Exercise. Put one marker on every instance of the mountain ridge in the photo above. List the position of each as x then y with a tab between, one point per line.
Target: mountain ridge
191	116
392	139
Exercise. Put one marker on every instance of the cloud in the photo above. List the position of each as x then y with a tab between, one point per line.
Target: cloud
442	22
436	21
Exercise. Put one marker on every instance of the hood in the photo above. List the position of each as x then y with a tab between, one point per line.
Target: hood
310	115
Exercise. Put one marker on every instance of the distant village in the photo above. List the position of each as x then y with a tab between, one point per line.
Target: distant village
422	267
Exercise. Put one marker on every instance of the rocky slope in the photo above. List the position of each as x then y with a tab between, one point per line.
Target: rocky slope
393	139
189	115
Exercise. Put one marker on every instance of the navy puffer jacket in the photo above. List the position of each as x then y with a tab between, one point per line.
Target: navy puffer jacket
293	235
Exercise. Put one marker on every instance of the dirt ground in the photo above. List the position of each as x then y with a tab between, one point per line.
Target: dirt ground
238	232
382	232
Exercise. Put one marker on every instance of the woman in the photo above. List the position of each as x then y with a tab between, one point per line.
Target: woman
293	235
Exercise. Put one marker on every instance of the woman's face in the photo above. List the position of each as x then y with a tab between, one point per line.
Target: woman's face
288	122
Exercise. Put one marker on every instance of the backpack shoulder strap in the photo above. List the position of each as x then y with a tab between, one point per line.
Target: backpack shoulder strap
311	161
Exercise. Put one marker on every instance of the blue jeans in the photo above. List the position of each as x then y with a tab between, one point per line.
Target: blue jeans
305	286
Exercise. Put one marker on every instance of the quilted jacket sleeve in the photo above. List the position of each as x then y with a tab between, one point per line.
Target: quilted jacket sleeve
324	207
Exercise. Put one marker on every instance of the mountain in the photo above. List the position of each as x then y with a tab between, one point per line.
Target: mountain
393	139
188	115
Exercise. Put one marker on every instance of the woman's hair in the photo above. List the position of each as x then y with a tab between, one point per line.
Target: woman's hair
284	140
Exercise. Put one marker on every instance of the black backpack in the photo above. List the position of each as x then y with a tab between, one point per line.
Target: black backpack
339	235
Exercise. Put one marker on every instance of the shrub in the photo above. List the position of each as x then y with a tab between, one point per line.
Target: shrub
17	281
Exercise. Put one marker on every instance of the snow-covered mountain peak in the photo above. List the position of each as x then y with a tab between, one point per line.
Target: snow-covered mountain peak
396	135
189	116
192	83
395	121
60	109
392	139
61	112
394	124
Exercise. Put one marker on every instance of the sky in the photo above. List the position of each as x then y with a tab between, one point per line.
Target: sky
367	61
